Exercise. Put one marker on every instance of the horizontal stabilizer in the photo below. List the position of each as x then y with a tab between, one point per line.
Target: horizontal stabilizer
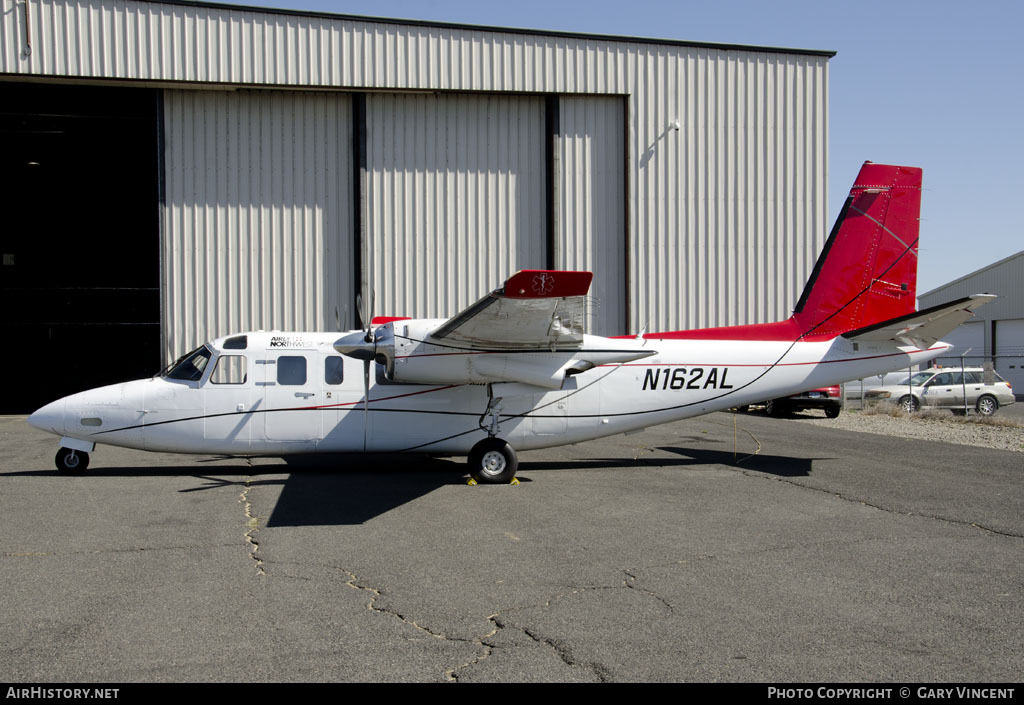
924	328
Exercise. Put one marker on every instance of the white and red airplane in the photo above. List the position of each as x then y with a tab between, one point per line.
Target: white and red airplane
516	371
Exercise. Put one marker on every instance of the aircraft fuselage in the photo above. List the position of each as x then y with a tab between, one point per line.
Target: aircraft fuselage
294	393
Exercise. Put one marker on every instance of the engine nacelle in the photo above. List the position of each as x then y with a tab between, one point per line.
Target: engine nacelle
415	357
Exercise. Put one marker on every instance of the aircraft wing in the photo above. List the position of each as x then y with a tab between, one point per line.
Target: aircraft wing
924	328
535	309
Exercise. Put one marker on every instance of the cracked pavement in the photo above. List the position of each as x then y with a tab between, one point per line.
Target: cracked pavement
715	549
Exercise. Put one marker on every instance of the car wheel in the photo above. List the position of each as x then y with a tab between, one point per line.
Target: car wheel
772	407
987	405
832	412
909	403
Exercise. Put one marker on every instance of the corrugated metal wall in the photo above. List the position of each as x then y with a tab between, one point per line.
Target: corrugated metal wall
257	221
591	209
455	197
725	215
730	209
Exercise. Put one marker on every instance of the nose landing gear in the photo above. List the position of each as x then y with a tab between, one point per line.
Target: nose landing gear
71	462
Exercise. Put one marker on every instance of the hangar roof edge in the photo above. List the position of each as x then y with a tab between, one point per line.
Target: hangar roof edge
503	30
959	280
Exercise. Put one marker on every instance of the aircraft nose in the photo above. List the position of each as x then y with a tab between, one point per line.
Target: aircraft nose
49	418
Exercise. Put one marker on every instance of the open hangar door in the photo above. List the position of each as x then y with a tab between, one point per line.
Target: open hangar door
81	275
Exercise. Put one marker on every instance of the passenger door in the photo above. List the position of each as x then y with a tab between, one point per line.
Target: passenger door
291	397
943	389
343	417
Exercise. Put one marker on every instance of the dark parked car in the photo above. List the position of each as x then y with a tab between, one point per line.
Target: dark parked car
828	398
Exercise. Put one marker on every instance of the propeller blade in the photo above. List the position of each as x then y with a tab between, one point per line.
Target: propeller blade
366	399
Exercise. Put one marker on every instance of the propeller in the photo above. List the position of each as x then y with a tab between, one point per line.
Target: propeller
366	354
361	345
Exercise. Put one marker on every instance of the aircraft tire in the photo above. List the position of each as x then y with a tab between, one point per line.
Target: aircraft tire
71	462
493	461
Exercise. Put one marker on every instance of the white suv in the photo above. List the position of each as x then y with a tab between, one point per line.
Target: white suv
945	388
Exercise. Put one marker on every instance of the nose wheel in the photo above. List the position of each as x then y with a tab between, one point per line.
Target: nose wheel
493	461
71	462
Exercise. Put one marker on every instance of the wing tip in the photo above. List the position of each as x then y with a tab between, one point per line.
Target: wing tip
547	283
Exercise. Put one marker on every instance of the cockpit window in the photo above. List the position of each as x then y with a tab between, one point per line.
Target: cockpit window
190	367
230	369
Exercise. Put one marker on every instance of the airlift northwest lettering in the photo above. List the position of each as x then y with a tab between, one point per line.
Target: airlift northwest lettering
676	378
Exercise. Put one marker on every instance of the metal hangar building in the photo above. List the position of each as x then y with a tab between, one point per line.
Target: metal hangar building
176	171
996	333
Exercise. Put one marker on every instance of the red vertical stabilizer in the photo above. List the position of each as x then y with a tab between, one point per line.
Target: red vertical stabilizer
867	272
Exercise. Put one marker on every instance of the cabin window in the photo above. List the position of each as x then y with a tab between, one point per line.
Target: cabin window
334	369
190	367
230	369
291	370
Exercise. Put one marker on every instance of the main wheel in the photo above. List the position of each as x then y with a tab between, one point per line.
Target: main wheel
987	405
71	462
909	403
493	461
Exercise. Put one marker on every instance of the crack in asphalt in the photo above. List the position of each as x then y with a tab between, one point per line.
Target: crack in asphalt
253	526
630	582
879	507
450	674
562	648
564	652
853	500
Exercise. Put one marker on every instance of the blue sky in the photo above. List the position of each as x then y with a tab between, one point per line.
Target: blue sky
937	84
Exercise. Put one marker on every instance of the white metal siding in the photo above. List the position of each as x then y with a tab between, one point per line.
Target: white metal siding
725	215
591	213
257	222
730	209
455	198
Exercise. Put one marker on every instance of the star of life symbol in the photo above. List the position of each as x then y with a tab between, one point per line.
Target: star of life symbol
543	284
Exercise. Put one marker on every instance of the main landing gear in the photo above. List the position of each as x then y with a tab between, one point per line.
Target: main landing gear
71	462
493	461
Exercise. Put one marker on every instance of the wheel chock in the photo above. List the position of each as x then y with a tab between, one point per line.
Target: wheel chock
471	482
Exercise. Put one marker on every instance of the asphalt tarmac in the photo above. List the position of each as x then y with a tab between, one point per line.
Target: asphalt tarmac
717	549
